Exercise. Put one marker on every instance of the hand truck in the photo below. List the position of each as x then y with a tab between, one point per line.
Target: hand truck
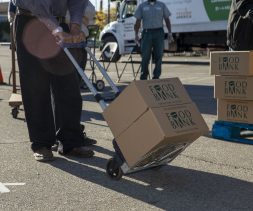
117	165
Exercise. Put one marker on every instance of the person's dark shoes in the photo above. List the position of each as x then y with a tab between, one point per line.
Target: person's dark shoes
88	141
80	152
43	155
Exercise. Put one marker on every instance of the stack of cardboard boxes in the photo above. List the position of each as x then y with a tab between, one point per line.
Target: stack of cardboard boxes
152	118
233	72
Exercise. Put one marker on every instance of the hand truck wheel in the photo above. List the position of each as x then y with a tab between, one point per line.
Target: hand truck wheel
113	169
100	85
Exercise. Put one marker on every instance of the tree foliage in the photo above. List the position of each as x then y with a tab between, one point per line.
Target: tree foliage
100	19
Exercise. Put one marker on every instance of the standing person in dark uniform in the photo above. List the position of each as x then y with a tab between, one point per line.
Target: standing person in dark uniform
11	11
152	13
49	83
240	25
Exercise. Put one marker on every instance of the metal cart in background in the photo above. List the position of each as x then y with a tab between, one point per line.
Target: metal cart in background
15	100
91	42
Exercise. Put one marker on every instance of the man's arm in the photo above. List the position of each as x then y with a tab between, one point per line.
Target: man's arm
40	9
168	24
166	16
76	12
137	25
136	29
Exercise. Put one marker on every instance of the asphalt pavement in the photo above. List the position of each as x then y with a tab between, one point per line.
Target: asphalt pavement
209	175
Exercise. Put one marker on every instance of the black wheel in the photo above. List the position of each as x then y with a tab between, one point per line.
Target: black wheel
14	112
106	53
113	169
100	85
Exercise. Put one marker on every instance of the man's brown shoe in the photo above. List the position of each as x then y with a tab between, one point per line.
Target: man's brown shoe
43	155
81	152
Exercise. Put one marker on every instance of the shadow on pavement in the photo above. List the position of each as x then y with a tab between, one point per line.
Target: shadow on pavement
203	97
171	60
187	62
89	115
169	188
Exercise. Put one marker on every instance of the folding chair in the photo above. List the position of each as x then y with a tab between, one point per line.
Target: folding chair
135	50
92	44
109	51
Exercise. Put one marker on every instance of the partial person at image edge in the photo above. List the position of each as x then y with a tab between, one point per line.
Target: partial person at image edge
240	25
49	84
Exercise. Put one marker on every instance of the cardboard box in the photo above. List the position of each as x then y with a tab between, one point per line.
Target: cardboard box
160	130
231	63
234	87
138	97
235	111
151	119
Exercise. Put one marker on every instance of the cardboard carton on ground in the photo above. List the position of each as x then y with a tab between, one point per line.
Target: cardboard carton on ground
158	131
138	97
235	111
231	63
234	87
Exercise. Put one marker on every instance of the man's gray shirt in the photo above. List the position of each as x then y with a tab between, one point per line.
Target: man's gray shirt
47	10
152	15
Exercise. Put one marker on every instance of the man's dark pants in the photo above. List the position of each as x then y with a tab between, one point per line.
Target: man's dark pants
152	40
49	86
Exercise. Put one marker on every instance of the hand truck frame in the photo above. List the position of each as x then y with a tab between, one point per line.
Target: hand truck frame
117	165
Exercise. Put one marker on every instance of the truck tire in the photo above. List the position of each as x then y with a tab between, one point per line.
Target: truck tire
116	56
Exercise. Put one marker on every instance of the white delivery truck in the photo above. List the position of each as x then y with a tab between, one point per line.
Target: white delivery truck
194	23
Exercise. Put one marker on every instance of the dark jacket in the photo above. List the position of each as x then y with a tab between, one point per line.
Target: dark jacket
240	25
12	7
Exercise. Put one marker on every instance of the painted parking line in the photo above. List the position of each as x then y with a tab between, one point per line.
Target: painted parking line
4	189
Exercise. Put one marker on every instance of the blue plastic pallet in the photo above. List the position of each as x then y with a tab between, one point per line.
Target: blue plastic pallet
232	131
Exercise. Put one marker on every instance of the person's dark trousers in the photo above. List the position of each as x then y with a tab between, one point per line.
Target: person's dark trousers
152	40
49	86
